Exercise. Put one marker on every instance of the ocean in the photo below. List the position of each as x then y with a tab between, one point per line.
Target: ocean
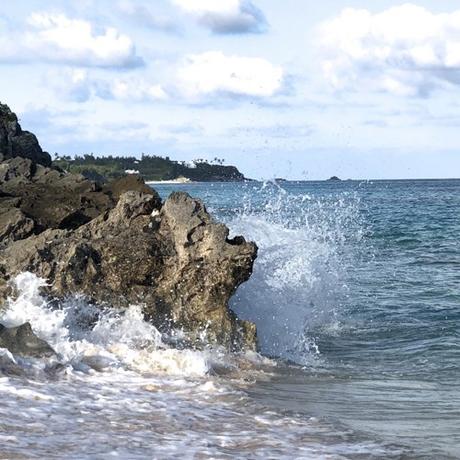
356	295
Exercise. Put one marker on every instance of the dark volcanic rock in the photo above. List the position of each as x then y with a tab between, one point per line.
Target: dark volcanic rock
14	142
22	341
118	245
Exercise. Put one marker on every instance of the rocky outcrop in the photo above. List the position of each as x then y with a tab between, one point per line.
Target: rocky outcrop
14	142
174	260
23	342
34	198
120	245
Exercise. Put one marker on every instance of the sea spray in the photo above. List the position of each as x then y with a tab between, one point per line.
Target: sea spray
299	280
367	397
87	337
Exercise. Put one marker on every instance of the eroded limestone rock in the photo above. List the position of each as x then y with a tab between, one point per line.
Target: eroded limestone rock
118	244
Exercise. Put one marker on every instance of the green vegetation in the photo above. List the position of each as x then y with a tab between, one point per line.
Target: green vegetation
151	168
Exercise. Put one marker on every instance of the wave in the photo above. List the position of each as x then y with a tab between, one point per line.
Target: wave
87	338
299	282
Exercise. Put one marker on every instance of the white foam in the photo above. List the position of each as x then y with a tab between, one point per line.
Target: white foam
6	357
26	393
89	338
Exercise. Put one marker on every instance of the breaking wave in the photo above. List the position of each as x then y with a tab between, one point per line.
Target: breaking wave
87	338
299	282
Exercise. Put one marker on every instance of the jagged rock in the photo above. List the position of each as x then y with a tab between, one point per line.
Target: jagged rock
118	245
22	341
128	183
52	199
14	142
205	271
178	263
14	225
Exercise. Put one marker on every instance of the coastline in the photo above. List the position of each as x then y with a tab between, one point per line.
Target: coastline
170	182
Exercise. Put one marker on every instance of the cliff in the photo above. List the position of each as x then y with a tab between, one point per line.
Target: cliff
14	142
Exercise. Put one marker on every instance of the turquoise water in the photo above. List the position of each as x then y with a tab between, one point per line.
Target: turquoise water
358	287
356	295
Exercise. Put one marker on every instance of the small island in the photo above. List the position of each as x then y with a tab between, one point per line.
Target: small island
334	179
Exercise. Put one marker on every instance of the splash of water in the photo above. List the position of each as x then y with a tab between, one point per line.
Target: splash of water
299	284
299	280
87	338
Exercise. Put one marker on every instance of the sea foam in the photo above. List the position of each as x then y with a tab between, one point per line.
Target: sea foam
89	338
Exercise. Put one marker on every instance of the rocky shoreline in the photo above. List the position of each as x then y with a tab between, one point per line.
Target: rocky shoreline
118	244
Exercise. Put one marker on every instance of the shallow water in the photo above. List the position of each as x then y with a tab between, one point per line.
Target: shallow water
356	295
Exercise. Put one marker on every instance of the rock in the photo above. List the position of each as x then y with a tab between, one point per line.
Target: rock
22	341
118	245
128	183
14	142
48	198
205	271
178	263
14	225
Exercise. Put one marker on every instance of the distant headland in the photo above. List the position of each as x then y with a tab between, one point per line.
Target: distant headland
152	168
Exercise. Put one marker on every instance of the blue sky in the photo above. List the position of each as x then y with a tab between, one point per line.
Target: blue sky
300	89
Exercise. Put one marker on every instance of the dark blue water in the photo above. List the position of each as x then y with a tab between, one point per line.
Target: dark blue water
357	289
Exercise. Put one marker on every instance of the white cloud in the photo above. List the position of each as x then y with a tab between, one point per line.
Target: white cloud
143	15
405	50
225	16
58	39
78	85
213	72
133	89
203	78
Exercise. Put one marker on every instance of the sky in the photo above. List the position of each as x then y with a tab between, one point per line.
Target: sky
299	89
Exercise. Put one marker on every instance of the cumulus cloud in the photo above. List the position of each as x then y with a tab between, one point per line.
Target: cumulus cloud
205	78
213	72
406	50
58	39
78	85
225	16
